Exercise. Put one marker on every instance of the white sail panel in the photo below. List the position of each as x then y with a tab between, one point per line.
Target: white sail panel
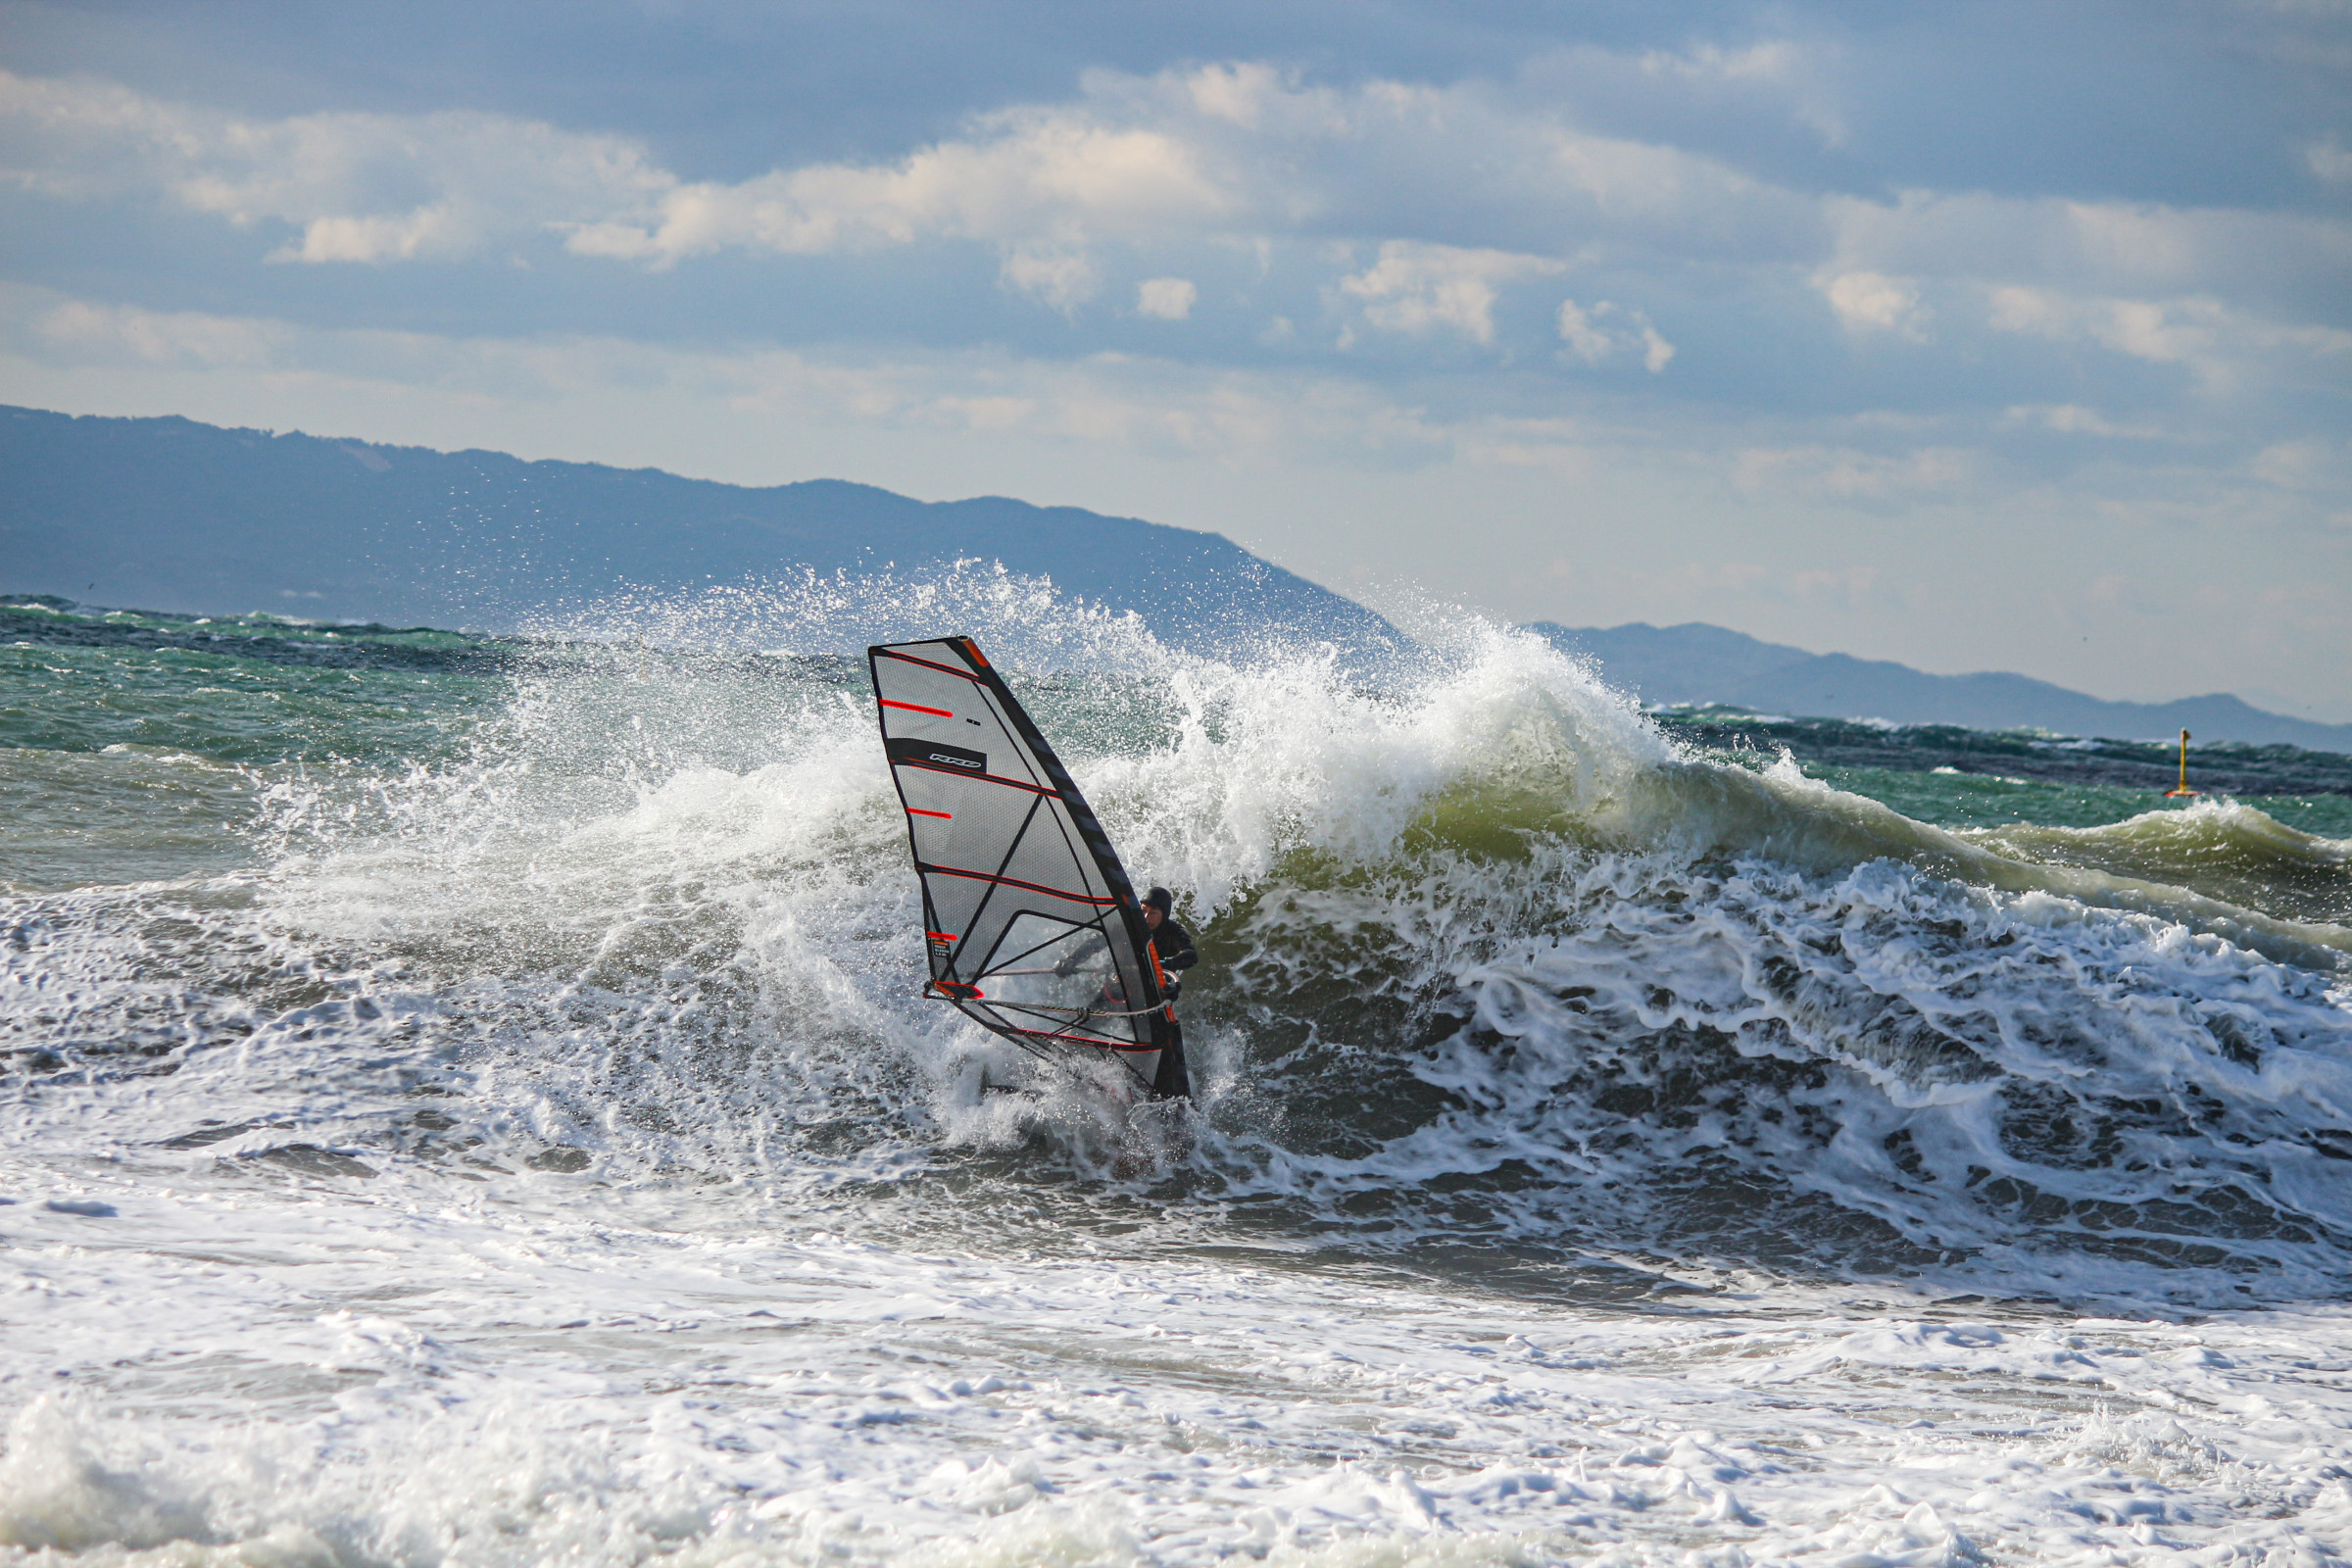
1032	926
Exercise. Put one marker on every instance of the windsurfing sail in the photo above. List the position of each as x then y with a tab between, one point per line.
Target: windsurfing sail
1033	928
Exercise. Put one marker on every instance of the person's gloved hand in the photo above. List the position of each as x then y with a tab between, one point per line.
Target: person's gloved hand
1170	988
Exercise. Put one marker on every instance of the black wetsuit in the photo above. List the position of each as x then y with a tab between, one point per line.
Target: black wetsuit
1174	945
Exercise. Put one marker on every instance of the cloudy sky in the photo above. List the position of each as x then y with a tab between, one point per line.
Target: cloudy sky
1974	335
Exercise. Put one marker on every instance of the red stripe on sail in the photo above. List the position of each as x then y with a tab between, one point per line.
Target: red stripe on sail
944	817
916	707
1017	882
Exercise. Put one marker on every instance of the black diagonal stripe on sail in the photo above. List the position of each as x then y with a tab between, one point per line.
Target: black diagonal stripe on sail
1077	1028
1094	900
1121	1047
997	964
1084	862
1082	816
929	870
977	778
927	663
1007	712
1041	754
1060	1017
1012	847
973	923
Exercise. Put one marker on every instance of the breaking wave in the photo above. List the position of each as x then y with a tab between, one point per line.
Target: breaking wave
1494	967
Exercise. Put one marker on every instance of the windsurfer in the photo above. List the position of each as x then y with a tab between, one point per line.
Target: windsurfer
1172	942
1174	946
982	789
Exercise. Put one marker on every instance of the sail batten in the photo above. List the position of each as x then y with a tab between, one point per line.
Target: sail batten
1028	917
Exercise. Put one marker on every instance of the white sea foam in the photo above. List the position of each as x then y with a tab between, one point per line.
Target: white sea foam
545	1372
545	1156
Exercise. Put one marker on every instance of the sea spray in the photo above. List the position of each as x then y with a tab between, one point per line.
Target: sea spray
517	1119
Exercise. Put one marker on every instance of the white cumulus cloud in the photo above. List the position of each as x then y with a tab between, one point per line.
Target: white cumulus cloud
2328	160
1028	176
1061	276
2220	344
1872	302
1170	299
1417	288
1394	208
83	332
1603	329
360	187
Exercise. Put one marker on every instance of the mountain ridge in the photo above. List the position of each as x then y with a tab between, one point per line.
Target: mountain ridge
178	514
1695	663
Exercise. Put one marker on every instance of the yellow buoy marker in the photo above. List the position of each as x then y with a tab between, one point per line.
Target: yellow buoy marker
2183	790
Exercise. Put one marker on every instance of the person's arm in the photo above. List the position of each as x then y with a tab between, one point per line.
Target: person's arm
1178	953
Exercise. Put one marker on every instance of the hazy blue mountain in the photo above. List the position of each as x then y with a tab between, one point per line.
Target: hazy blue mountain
1700	664
171	514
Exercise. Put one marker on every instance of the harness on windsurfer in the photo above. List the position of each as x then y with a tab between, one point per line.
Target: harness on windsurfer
1033	929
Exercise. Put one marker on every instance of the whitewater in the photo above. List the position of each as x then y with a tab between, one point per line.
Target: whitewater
470	1101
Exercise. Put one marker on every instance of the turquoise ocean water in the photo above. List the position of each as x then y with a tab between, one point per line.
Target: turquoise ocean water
468	1100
